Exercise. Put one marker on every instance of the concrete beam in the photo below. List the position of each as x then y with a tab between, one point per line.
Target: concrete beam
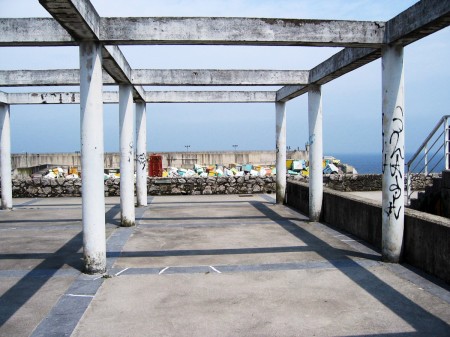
112	97
240	31
56	98
337	65
210	77
160	77
115	63
420	20
78	17
53	77
33	32
82	22
3	97
210	96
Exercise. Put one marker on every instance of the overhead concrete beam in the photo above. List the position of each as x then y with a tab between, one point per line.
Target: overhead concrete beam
159	77
78	17
115	63
112	97
56	98
3	97
82	22
422	19
54	77
240	31
33	32
416	22
289	92
210	96
337	65
205	77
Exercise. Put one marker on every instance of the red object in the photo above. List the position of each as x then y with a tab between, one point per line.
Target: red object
155	168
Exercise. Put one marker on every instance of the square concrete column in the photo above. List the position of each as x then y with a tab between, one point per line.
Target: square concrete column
315	152
141	154
126	155
280	151
393	203
5	156
91	106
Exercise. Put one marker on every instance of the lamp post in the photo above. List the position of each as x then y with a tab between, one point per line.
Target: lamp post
187	147
235	147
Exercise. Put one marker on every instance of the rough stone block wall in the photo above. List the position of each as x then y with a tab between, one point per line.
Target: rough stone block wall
41	187
366	182
44	188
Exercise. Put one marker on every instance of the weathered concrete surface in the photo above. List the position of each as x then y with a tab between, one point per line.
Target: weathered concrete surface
160	77
218	77
241	31
33	32
112	97
210	96
213	234
238	266
40	257
49	77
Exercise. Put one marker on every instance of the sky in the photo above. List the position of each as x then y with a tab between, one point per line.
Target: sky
351	103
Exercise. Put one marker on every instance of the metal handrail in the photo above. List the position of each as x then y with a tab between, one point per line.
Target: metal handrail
426	148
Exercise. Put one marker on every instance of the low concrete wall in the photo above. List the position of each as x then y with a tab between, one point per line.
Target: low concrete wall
43	188
426	242
175	159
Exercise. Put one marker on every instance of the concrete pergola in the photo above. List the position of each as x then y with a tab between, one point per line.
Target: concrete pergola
76	23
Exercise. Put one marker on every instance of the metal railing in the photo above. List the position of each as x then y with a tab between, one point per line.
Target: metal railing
434	150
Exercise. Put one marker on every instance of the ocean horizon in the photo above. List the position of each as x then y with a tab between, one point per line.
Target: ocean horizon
371	163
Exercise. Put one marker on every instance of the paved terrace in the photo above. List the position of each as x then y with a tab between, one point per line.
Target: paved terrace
205	266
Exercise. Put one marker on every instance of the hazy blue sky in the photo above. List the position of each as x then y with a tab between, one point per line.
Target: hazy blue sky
351	104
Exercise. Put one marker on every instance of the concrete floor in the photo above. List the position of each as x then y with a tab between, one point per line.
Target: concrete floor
205	266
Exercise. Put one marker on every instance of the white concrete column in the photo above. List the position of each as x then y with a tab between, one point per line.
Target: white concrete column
315	152
281	151
5	156
91	129
126	155
393	153
141	154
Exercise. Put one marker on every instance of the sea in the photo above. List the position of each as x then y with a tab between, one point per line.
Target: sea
371	163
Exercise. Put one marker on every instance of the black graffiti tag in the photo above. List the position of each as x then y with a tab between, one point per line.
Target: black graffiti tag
141	159
395	160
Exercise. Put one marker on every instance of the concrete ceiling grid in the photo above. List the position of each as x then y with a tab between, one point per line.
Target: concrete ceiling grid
76	20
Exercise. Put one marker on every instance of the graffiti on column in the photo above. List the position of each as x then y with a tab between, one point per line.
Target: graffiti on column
392	161
141	160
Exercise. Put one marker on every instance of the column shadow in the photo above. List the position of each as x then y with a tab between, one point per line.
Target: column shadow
421	320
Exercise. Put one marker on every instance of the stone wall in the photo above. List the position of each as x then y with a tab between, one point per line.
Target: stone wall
366	182
42	188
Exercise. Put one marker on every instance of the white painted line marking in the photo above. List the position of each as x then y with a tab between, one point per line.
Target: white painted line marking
217	271
162	271
74	295
335	236
120	272
347	240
